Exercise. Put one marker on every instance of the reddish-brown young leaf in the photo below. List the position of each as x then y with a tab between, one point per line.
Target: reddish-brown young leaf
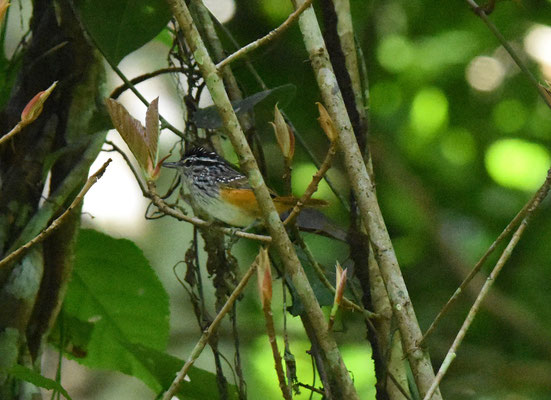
132	131
340	284
33	109
152	128
264	275
547	91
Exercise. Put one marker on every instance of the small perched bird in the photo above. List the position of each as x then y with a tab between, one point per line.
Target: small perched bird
219	190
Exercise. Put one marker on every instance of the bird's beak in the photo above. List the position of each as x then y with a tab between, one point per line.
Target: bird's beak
171	164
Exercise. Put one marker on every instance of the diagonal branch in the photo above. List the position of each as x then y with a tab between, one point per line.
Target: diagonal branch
138	79
16	129
313	186
265	39
481	12
508	229
57	222
196	352
450	356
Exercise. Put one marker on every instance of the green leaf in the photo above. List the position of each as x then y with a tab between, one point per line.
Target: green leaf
74	333
122	26
200	385
114	289
208	117
28	375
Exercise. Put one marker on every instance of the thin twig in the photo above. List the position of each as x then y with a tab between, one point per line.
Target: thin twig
313	186
398	386
161	205
508	229
16	129
481	12
269	318
265	39
130	166
450	356
58	221
311	388
290	367
207	334
119	90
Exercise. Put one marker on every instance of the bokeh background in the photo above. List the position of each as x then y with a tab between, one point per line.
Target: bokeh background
460	141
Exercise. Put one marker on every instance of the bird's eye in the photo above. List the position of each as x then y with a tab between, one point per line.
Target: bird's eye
187	162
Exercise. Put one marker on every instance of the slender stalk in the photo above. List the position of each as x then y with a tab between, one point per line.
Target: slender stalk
313	186
269	318
16	129
516	58
508	229
290	367
58	221
265	39
345	31
340	381
311	388
370	212
207	26
203	341
450	356
125	157
134	81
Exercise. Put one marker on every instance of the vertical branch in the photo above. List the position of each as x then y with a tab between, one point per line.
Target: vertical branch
345	30
339	377
370	212
387	350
